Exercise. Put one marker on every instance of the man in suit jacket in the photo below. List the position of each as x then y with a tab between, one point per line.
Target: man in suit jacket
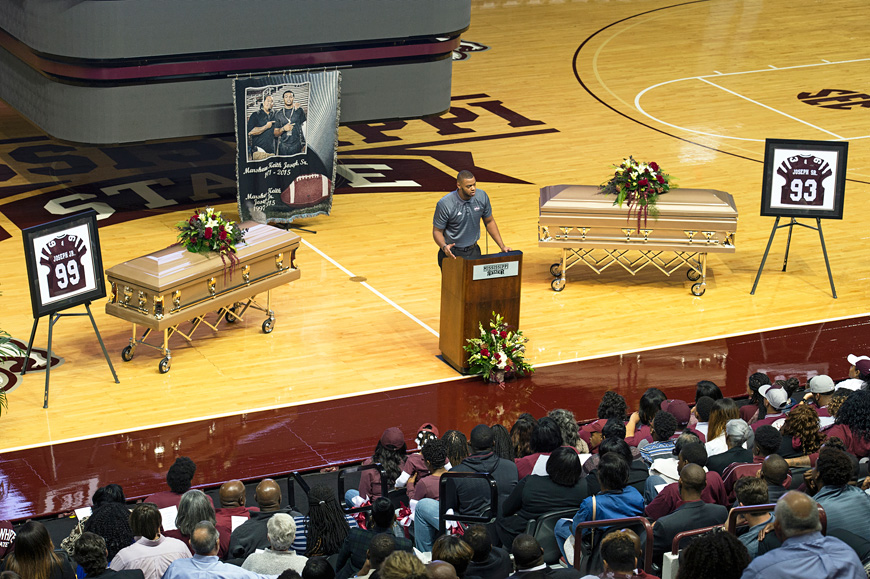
693	514
91	554
529	559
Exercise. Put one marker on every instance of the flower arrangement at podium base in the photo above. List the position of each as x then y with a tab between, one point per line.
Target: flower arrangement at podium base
499	353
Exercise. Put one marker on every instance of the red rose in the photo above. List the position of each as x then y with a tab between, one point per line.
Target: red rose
643	182
223	235
660	179
654	166
221	227
207	233
484	352
495	332
192	219
503	334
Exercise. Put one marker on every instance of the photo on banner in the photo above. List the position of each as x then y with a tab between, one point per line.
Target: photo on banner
287	134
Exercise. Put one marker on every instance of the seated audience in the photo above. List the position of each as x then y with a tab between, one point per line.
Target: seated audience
546	437
401	565
435	459
621	557
805	552
752	491
90	553
179	478
767	442
722	411
680	410
537	495
616	500
278	556
612	405
33	555
529	560
193	508
694	513
457	447
502	445
152	552
111	493
441	570
252	534
664	425
847	507
322	532
570	433
852	424
380	547
821	391
7	536
637	470
110	519
753	409
740	439
714	555
669	499
488	562
613	428
775	473
775	400
638	427
232	498
352	552
205	563
453	550
859	373
663	470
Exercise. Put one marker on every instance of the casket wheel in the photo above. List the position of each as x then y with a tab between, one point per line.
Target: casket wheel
163	365
693	274
558	284
698	289
556	269
268	325
127	353
230	316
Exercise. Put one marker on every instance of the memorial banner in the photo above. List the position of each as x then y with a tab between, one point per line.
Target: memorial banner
286	132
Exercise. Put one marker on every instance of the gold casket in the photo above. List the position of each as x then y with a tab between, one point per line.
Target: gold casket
590	229
168	287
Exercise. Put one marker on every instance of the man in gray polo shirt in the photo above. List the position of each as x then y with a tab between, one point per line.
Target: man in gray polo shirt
456	226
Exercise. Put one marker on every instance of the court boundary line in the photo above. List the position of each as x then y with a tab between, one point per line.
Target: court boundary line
417	384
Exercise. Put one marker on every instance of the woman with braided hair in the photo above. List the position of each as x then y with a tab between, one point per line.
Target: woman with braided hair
322	531
457	447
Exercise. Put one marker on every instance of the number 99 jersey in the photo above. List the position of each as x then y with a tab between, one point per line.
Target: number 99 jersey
803	176
62	255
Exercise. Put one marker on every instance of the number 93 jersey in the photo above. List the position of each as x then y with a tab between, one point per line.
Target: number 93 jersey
62	255
803	176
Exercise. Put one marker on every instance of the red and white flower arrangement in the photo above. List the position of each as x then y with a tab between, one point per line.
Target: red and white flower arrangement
206	231
499	352
638	185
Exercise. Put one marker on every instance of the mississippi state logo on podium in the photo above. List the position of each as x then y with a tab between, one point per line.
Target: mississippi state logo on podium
804	180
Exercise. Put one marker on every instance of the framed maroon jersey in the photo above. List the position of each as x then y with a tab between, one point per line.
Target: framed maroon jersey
63	258
64	263
804	178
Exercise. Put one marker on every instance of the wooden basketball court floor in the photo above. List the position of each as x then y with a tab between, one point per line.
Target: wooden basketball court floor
556	92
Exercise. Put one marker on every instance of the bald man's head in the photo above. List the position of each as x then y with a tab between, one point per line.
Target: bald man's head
527	552
268	495
693	481
232	494
441	570
796	514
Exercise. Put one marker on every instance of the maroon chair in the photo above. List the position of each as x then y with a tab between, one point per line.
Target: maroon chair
675	544
621	523
731	523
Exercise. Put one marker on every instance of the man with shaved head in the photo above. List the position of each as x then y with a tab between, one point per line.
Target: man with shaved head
441	570
694	513
805	552
529	559
232	497
253	534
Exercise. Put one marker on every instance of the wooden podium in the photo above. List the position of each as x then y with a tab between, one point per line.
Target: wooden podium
471	290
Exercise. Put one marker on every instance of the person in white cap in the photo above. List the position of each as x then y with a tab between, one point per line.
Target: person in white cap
821	390
775	400
859	371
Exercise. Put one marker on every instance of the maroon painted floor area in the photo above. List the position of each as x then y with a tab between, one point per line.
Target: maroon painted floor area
58	478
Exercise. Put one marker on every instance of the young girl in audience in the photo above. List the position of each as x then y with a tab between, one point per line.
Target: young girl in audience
457	447
428	485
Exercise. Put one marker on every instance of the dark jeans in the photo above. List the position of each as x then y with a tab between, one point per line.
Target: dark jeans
472	252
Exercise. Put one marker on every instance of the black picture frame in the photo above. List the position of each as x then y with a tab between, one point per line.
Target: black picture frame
64	263
804	178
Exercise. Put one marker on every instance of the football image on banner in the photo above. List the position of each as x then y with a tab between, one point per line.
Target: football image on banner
286	132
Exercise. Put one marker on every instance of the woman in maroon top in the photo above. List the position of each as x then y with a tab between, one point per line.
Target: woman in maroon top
853	424
435	454
638	427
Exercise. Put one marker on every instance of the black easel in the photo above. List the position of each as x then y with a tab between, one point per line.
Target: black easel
790	226
53	318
